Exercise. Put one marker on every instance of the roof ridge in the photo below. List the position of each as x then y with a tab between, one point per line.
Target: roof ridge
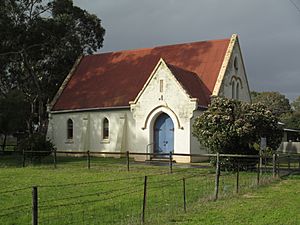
158	46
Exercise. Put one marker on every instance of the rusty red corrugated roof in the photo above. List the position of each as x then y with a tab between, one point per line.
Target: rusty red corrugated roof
115	78
192	84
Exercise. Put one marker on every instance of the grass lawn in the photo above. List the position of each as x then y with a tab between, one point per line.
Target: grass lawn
105	194
278	203
109	194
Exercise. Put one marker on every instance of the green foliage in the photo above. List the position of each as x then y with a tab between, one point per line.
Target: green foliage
14	110
296	104
40	41
230	126
291	120
38	143
277	103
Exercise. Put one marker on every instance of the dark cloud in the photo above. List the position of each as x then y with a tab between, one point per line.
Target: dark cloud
269	32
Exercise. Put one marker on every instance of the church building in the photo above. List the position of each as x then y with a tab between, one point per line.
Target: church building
145	100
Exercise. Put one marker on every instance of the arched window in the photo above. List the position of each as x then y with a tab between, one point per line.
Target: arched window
70	129
105	128
235	64
237	90
233	89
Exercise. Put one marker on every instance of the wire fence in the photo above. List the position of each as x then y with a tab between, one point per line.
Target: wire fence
145	193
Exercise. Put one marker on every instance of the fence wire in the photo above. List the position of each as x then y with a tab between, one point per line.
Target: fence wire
119	199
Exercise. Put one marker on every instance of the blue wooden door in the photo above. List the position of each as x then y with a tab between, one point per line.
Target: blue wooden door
163	134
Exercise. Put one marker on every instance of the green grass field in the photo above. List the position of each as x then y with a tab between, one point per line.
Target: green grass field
109	194
278	203
105	194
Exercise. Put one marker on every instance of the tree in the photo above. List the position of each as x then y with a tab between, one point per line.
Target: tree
14	110
36	146
296	104
40	41
291	120
277	103
230	126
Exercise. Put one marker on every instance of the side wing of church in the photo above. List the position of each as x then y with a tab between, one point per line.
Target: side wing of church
145	100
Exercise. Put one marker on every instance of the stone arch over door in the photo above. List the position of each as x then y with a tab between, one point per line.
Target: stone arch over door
149	120
163	134
153	114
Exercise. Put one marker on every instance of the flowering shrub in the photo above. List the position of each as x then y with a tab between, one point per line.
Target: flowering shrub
234	127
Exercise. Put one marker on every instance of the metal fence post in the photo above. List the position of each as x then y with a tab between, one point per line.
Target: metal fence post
274	165
258	173
171	162
260	164
299	162
34	206
127	158
23	158
54	158
184	195
289	163
217	179
237	177
88	159
144	200
278	165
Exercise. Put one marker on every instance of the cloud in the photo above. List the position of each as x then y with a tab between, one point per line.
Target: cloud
269	32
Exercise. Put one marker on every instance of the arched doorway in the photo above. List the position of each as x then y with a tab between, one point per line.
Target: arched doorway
163	134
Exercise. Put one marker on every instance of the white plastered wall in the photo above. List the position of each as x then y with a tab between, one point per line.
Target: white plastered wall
173	100
196	148
88	128
234	74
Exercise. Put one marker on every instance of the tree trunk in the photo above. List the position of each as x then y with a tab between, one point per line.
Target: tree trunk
42	117
42	129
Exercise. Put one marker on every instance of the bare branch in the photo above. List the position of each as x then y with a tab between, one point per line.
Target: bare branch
22	50
42	11
10	53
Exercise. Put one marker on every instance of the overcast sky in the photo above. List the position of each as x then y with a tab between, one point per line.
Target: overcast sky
269	32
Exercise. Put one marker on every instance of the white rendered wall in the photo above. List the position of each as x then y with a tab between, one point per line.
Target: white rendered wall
173	101
196	148
87	132
289	147
233	75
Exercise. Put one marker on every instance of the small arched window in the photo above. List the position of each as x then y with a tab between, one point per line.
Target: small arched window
70	129
237	90
233	89
105	128
235	64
